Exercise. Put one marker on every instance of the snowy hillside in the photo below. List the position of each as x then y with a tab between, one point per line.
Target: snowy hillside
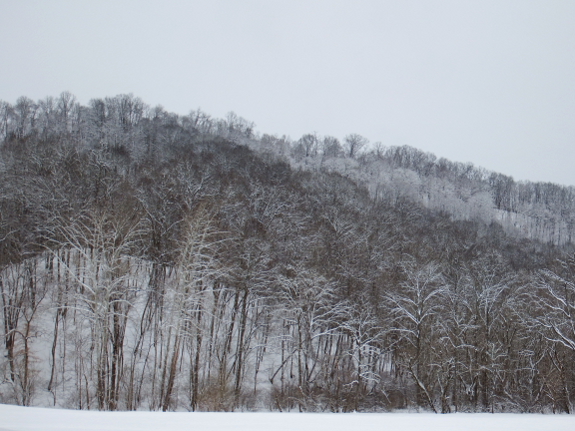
151	261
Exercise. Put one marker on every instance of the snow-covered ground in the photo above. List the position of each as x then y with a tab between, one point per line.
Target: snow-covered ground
14	418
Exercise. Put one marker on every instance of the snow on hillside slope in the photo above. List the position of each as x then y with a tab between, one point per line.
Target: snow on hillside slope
14	418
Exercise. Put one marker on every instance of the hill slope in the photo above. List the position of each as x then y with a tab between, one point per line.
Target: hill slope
162	262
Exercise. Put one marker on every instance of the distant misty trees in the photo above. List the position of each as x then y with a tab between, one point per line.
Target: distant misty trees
541	211
163	262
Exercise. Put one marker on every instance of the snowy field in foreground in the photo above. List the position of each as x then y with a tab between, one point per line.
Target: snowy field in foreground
13	418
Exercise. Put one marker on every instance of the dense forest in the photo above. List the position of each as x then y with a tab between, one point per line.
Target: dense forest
155	261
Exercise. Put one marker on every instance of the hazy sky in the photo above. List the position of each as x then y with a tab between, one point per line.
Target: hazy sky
490	82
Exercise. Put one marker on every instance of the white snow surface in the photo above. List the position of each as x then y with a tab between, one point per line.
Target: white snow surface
15	418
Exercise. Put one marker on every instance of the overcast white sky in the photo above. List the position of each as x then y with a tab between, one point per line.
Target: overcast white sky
490	82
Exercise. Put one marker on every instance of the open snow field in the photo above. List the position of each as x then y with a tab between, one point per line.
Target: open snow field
14	418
